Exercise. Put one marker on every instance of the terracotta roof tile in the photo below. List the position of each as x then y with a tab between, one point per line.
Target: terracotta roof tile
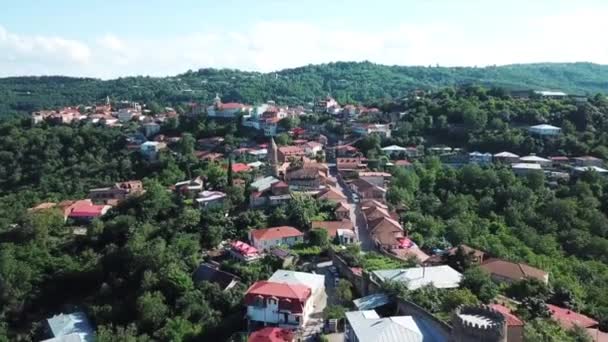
512	320
275	233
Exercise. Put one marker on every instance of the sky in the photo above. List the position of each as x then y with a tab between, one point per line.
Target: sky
113	38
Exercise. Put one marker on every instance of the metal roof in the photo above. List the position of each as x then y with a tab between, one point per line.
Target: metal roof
438	276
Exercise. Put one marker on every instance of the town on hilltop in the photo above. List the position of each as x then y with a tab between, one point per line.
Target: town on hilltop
461	214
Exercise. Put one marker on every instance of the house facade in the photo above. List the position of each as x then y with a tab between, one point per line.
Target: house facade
264	239
286	305
117	192
545	130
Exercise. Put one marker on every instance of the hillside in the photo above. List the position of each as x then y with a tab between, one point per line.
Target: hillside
347	81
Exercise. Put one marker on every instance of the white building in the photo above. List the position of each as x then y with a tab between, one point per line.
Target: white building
70	327
441	277
367	129
364	326
394	150
522	169
506	157
126	114
545	130
312	148
150	149
227	110
264	239
286	305
480	158
210	199
532	159
551	94
316	282
583	169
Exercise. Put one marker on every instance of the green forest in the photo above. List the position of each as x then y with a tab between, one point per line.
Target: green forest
348	82
131	272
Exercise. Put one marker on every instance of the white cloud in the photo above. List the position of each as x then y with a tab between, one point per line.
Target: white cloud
30	54
273	45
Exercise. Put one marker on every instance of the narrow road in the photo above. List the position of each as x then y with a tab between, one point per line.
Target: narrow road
356	216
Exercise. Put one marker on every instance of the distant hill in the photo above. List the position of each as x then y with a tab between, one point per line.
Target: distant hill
347	81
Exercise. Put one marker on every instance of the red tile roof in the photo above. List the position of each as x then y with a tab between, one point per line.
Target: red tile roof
402	163
240	167
291	297
332	226
243	248
291	150
568	319
513	270
343	206
232	105
332	194
512	320
270	334
85	208
275	233
279	184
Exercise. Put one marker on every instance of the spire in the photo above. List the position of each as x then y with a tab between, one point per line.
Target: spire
108	100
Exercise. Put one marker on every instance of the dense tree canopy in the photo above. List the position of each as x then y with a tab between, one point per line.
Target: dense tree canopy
348	82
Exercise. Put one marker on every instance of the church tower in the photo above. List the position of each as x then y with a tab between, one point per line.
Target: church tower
273	157
217	101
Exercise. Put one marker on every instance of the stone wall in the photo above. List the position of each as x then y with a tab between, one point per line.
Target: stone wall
466	329
407	308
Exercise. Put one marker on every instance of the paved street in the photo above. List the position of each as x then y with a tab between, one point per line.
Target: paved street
356	216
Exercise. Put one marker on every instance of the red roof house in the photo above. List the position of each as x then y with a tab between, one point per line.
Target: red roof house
291	297
275	236
511	319
86	210
240	167
243	251
271	334
568	318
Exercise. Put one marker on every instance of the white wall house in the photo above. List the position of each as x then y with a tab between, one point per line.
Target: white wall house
480	158
316	282
545	130
367	129
286	305
264	239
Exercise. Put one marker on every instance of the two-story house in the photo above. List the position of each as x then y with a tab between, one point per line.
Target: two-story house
264	239
284	304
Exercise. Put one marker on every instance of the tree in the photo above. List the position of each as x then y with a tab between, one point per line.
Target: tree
480	283
334	312
230	181
318	237
544	330
282	139
528	288
458	297
178	329
152	310
110	333
289	123
343	291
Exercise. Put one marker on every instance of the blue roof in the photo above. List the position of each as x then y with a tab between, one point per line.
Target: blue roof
68	324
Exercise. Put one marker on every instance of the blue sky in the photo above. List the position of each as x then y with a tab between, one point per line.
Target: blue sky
117	38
